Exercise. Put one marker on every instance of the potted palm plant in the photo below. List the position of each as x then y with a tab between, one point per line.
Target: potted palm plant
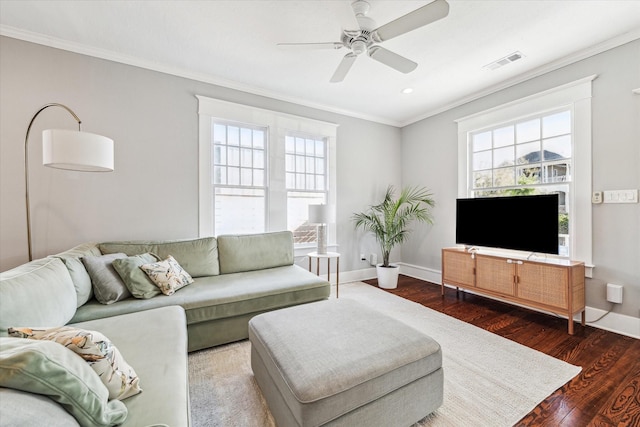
389	221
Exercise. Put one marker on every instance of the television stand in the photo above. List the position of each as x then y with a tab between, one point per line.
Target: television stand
555	286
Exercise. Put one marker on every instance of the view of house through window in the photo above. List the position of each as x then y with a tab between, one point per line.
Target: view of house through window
526	157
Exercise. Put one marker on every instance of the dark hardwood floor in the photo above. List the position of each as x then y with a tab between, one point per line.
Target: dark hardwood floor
607	390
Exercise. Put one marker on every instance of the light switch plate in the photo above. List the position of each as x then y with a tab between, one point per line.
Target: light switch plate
621	196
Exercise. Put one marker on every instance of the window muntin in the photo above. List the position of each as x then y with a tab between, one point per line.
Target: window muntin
524	157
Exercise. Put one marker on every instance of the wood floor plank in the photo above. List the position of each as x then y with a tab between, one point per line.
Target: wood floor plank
606	392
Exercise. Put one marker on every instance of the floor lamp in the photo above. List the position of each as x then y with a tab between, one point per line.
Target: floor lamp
321	215
67	149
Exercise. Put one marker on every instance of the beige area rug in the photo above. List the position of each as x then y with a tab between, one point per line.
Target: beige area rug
488	380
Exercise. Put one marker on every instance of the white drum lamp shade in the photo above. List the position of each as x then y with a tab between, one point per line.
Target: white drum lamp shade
77	150
322	215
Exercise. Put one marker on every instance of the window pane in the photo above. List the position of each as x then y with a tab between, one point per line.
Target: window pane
310	166
233	154
239	210
481	141
528	175
319	148
320	166
246	157
258	159
482	160
258	177
503	137
320	182
233	135
503	177
219	175
300	180
557	148
219	155
299	145
310	147
219	133
289	160
298	213
310	182
482	179
528	131
258	139
291	181
557	172
233	176
503	157
556	124
246	176
299	164
528	153
289	144
246	137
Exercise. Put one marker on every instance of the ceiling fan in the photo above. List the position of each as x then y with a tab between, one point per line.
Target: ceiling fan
367	37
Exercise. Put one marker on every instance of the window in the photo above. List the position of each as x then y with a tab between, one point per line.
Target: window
306	182
239	177
536	145
259	170
528	156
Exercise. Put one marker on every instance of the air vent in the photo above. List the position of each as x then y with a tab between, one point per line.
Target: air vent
512	57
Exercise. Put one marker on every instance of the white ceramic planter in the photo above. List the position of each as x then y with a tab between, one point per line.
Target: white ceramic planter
387	276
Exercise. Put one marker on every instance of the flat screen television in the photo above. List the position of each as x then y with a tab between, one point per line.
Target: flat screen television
525	223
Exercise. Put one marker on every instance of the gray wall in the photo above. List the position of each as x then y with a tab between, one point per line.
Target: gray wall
429	157
153	192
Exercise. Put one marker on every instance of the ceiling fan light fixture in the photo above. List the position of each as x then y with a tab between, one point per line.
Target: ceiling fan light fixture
358	47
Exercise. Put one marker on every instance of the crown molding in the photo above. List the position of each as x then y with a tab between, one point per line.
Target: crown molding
108	55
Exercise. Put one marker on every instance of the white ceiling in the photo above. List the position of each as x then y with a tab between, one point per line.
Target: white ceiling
233	43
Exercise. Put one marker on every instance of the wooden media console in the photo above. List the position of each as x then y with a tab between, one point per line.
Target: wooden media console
555	286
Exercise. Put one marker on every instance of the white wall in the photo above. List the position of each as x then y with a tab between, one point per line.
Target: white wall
429	157
153	119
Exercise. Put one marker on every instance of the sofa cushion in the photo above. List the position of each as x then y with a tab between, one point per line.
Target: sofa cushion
136	280
168	275
108	287
13	404
97	350
198	256
79	274
39	293
155	343
250	252
50	369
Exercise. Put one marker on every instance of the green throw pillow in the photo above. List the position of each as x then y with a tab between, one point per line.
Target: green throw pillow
108	287
50	369
134	278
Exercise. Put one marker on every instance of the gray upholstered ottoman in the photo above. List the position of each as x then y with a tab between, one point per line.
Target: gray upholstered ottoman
340	363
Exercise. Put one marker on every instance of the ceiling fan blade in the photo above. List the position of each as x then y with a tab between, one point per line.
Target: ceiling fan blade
327	45
391	59
343	67
435	10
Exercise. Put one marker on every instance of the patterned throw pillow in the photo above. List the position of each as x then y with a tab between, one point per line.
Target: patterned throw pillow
97	350
167	275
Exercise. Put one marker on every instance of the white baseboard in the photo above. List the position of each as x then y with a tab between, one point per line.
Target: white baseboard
614	322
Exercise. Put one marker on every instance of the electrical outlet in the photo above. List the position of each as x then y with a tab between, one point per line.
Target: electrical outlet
596	197
362	257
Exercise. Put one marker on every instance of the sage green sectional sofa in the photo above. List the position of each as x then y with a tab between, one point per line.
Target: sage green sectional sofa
235	277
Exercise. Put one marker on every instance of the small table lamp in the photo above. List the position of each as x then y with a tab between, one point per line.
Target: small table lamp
321	215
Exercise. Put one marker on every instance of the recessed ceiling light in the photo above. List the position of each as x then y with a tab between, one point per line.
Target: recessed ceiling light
407	90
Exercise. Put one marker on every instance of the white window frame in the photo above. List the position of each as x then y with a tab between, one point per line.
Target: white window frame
278	126
575	96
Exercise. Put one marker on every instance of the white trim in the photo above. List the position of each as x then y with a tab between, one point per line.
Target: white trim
575	95
83	49
614	322
278	124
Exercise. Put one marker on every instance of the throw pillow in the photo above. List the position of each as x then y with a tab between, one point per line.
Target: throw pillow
96	349
134	278
108	287
167	275
47	368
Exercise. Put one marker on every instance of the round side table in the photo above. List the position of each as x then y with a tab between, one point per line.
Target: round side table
328	256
